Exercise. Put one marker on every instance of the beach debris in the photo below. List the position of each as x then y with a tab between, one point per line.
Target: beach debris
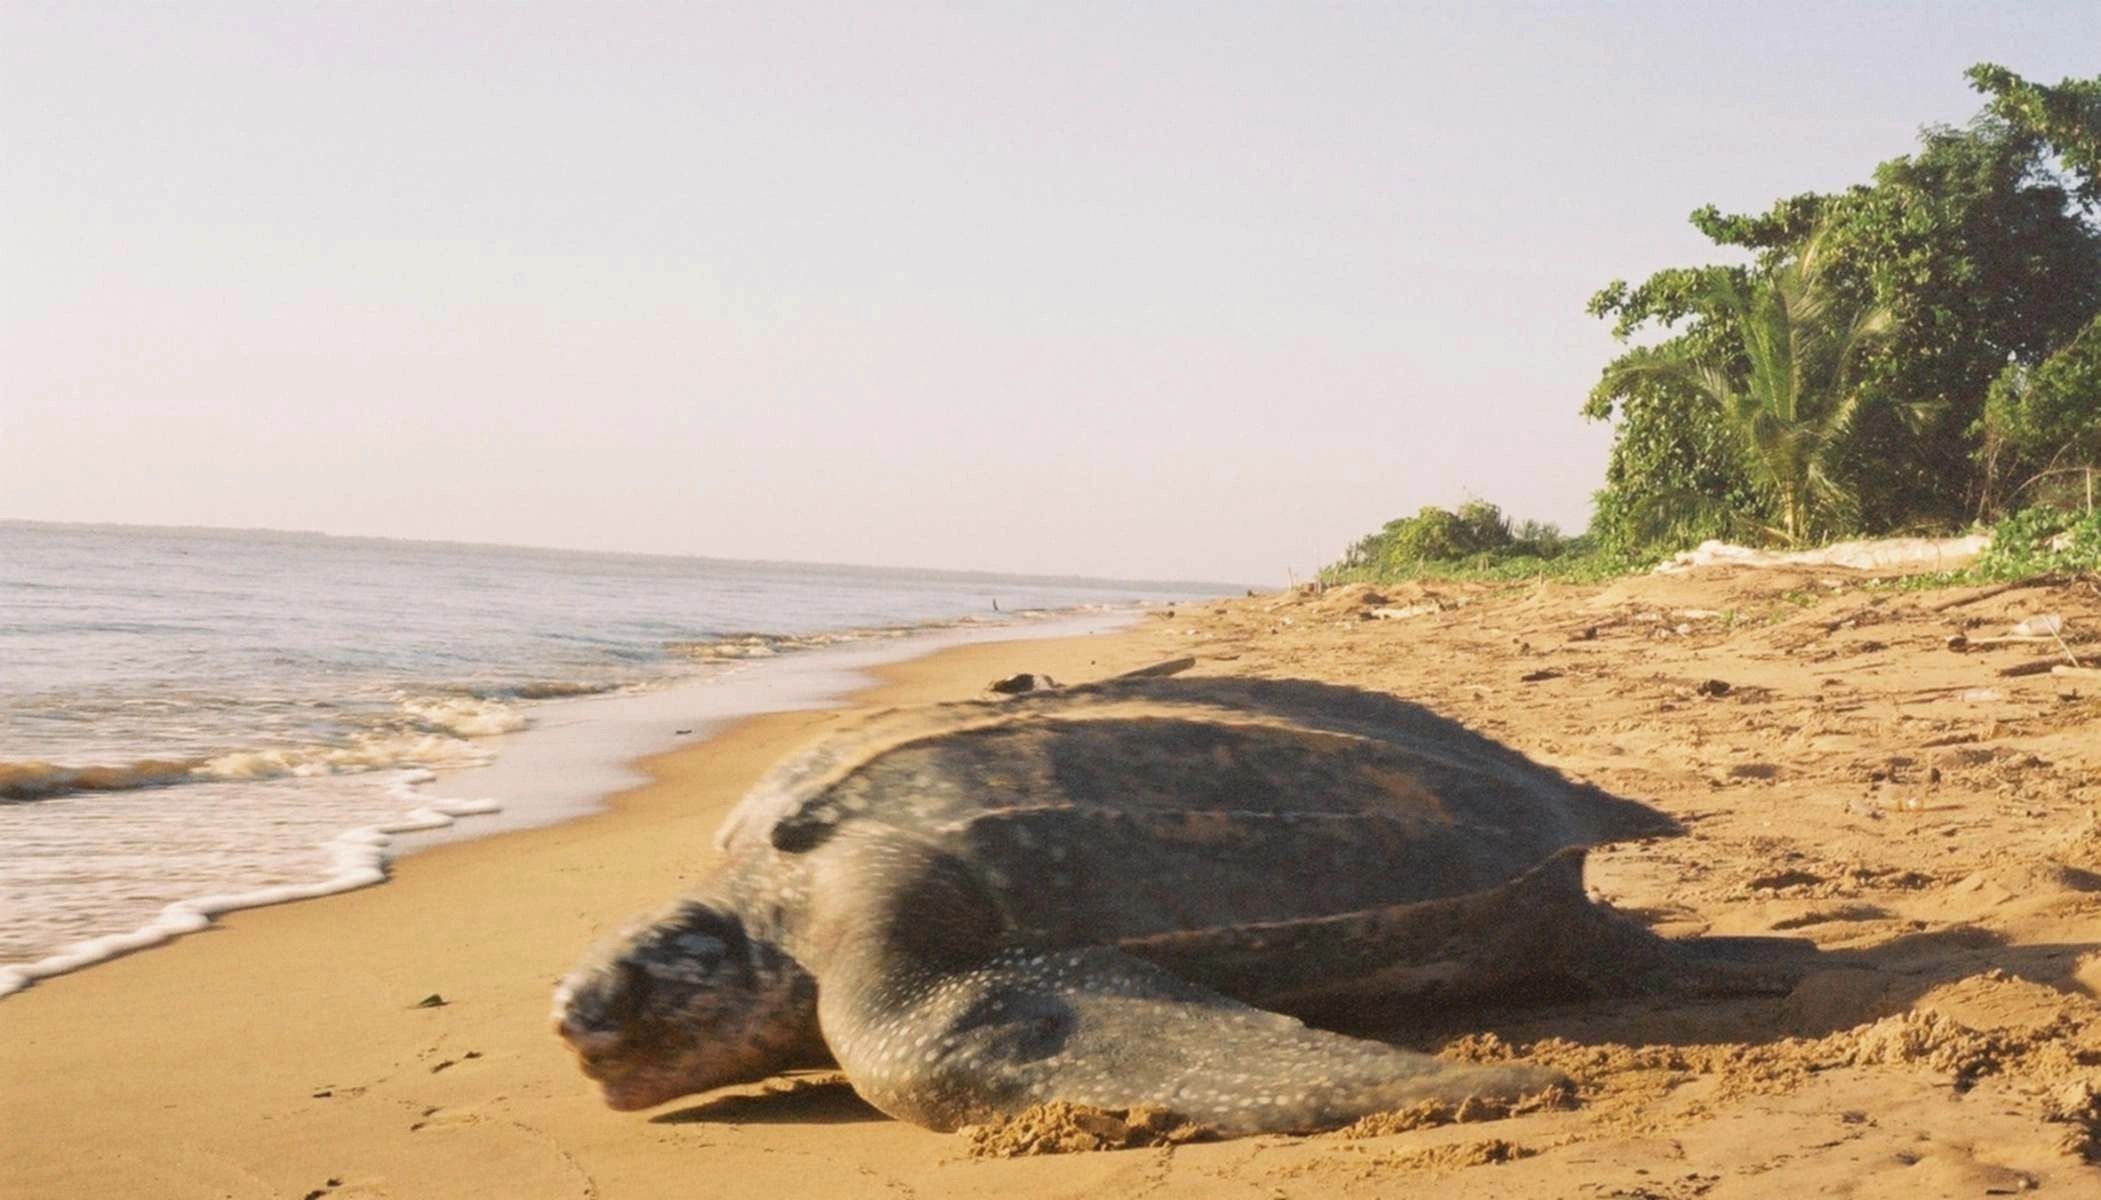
1027	681
441	1066
1982	695
2048	625
1973	596
1541	674
1173	666
1713	687
2060	669
1784	879
1589	633
1926	553
1963	642
680	732
434	1000
2046	629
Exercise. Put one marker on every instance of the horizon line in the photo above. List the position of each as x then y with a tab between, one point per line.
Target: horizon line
950	572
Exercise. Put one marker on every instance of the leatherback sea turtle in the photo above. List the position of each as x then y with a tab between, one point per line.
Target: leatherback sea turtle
1122	895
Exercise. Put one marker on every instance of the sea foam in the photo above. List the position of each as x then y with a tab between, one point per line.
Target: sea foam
357	858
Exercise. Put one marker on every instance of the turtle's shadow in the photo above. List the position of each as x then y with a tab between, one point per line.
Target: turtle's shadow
802	1100
1841	989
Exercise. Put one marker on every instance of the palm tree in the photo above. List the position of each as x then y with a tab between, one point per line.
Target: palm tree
1797	394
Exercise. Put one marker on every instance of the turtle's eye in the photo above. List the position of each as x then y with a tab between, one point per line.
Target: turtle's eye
703	949
702	930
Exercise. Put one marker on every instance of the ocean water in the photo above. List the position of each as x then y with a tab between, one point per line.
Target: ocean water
198	720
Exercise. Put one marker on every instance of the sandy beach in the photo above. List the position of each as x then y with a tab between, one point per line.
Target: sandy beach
1926	818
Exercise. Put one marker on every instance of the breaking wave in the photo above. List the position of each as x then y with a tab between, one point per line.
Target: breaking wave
736	647
434	730
425	732
555	690
464	716
431	730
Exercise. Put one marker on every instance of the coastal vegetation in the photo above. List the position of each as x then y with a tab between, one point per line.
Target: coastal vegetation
1476	541
1919	353
2043	540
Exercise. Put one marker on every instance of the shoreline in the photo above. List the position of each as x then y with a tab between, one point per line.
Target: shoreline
590	749
304	1016
569	757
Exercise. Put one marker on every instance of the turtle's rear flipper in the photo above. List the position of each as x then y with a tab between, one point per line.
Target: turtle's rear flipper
985	1040
1736	966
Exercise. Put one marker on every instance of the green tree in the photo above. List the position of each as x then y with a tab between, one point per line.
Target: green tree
1433	535
1676	474
1477	541
2046	419
2067	116
1793	404
1980	252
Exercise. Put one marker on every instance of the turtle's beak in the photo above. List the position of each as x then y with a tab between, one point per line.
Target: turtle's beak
595	1058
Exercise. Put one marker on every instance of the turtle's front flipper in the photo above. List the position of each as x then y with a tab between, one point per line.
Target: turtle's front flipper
962	1044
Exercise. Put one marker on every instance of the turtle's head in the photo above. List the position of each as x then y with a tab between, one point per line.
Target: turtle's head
685	1002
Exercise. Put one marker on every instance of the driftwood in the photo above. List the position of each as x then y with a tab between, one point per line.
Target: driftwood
1974	597
2076	672
1173	666
2039	666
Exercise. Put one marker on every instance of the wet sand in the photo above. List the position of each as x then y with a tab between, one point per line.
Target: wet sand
1845	777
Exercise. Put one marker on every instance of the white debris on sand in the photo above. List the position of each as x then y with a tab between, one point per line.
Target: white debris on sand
1941	554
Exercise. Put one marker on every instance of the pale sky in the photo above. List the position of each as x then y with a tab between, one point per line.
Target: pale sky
1159	290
